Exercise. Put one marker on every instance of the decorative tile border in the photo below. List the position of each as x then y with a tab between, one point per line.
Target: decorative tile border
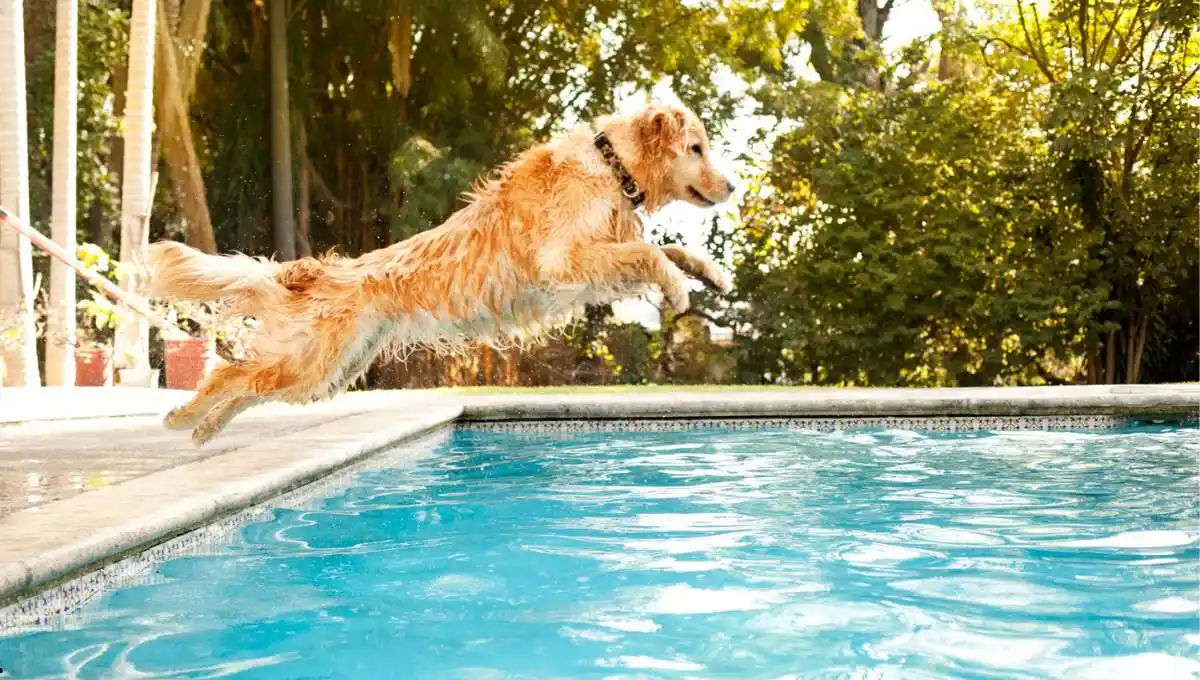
925	424
49	608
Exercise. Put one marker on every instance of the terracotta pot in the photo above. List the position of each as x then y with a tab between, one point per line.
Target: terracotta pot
93	366
188	361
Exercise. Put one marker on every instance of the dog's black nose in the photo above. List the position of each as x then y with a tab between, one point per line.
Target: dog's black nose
729	186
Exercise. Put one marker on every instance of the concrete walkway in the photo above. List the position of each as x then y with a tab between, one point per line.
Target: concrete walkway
23	405
49	458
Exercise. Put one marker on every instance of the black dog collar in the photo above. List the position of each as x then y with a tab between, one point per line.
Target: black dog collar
629	186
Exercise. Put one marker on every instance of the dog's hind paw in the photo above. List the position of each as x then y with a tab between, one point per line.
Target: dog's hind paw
179	418
203	434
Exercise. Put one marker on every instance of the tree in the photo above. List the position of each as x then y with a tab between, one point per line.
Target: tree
402	105
1117	78
177	61
132	349
1017	218
283	219
898	241
60	337
16	252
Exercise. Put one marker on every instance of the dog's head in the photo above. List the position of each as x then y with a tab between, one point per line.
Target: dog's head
674	144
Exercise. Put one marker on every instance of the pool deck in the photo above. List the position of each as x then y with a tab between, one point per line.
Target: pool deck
89	476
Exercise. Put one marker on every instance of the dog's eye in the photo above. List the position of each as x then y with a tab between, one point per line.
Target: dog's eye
696	149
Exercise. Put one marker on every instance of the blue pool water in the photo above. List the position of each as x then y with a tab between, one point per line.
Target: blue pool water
700	554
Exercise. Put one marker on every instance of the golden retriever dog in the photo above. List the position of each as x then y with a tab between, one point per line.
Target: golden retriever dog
555	229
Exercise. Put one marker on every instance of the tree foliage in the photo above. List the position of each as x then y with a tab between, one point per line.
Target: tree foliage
992	227
1009	200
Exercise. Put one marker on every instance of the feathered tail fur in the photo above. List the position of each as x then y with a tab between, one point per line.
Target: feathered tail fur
181	273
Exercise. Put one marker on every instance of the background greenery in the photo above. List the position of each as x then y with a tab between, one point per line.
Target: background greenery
1012	200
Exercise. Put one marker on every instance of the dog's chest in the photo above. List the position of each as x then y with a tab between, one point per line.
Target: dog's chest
575	297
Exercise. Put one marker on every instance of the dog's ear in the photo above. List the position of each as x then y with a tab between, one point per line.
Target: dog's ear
660	130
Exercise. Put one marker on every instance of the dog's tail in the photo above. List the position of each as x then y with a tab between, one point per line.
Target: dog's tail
181	273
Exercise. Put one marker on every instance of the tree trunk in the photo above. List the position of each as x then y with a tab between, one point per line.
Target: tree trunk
1138	345
38	26
178	147
132	348
60	336
102	230
949	15
193	29
1093	364
18	339
400	44
283	221
819	54
849	67
303	199
1110	362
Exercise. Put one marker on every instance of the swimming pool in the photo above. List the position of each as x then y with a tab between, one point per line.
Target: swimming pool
709	553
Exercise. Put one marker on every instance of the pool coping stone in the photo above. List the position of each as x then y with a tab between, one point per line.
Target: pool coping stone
1120	400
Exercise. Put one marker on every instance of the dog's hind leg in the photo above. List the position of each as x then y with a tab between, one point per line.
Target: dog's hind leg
220	416
325	367
222	384
234	388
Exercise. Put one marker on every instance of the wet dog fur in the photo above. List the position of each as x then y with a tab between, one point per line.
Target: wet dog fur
550	233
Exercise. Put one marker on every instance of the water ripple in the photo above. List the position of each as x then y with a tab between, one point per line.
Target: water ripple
712	553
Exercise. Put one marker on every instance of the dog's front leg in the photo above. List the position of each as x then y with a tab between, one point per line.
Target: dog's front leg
600	264
700	267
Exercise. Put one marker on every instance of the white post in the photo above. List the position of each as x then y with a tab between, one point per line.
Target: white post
132	349
60	321
18	339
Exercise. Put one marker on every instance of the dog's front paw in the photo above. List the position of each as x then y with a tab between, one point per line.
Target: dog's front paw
675	296
718	279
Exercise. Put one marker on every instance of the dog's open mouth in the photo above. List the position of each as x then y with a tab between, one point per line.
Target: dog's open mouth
704	200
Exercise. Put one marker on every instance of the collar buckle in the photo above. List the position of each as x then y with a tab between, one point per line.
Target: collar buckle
629	186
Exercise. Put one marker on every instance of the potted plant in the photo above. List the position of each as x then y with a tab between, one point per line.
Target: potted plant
96	323
93	365
93	345
188	360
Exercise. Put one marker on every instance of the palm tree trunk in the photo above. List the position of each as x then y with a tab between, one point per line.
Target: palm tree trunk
178	146
60	336
283	220
132	348
18	341
193	28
